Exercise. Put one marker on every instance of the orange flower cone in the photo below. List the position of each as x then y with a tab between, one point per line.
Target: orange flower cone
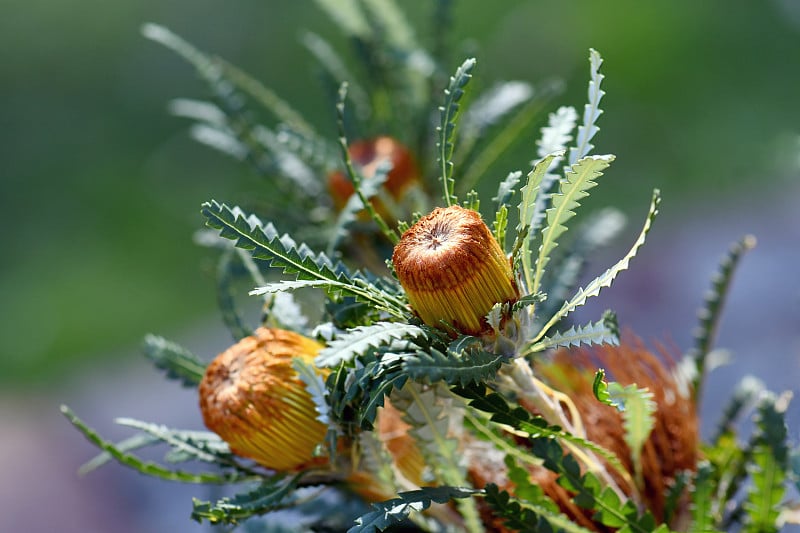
252	398
366	156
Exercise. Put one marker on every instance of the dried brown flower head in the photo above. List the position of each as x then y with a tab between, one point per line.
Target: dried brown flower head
453	269
252	398
673	445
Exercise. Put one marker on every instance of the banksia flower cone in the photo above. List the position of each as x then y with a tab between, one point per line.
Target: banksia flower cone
252	398
453	269
366	156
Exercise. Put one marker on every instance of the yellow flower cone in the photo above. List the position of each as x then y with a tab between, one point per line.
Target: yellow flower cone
252	398
453	269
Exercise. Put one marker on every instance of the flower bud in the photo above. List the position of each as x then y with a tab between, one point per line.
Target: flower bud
366	156
453	269
252	397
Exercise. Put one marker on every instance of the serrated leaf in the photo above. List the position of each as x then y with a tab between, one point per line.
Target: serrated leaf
709	314
358	340
604	331
270	496
506	189
607	278
528	194
432	365
535	426
281	251
558	132
591	111
675	493
140	440
395	510
744	397
638	418
701	496
355	176
178	362
315	386
447	128
566	269
526	516
768	468
198	445
577	181
148	467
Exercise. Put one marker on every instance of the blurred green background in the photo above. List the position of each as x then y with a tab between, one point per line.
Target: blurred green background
101	187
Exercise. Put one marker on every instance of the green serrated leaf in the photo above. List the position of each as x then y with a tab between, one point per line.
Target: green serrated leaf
702	494
447	128
604	331
567	268
591	111
574	187
499	226
506	189
528	517
178	363
744	397
675	493
355	342
638	417
140	440
281	251
607	278
271	495
558	132
393	511
432	365
529	192
315	385
147	467
535	426
709	314
769	466
355	204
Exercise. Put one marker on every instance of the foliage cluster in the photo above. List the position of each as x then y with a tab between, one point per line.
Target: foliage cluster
455	391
